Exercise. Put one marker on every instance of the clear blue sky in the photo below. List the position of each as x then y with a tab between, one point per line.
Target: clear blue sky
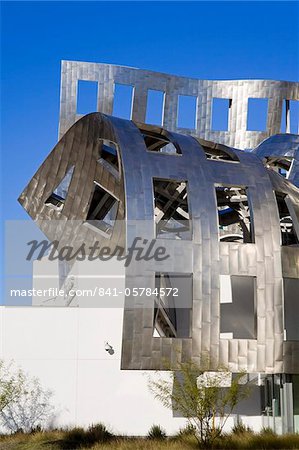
208	40
197	39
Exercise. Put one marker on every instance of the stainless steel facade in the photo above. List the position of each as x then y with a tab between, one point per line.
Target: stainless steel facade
125	178
202	166
236	91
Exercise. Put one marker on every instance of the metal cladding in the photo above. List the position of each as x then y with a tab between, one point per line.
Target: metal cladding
281	150
224	187
237	92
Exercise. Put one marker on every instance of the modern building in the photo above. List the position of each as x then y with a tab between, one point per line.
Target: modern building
214	204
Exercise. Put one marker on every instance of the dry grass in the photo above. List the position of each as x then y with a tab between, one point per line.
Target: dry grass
37	441
55	440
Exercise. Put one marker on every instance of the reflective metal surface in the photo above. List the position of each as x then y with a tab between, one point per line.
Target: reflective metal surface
281	151
237	93
206	171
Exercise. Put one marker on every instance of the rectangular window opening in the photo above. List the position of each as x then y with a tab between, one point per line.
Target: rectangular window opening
290	116
102	211
291	308
238	318
186	117
286	218
234	214
221	108
294	116
108	155
171	209
87	96
154	107
58	196
257	114
285	116
122	102
271	395
173	305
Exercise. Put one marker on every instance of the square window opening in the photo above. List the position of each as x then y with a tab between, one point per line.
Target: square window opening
122	102
221	108
238	319
186	116
173	305
257	114
234	214
171	209
287	217
102	210
87	96
154	107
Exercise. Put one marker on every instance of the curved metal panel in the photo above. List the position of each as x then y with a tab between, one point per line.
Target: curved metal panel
204	255
236	91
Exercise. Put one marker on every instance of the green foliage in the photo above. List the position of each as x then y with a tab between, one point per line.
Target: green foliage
200	397
156	432
24	404
10	385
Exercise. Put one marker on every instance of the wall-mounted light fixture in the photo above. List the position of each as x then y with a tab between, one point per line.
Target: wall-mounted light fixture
109	349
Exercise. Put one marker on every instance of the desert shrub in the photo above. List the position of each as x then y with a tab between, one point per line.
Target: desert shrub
226	442
265	442
290	441
156	432
35	430
78	437
251	441
24	404
267	431
188	430
99	433
199	396
74	438
240	428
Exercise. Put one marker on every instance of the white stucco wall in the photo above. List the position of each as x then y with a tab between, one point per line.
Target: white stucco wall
65	348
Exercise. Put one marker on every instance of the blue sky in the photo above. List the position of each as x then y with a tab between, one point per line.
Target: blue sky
196	39
211	40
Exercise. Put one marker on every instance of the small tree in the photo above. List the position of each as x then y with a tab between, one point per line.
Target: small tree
24	404
10	385
201	397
